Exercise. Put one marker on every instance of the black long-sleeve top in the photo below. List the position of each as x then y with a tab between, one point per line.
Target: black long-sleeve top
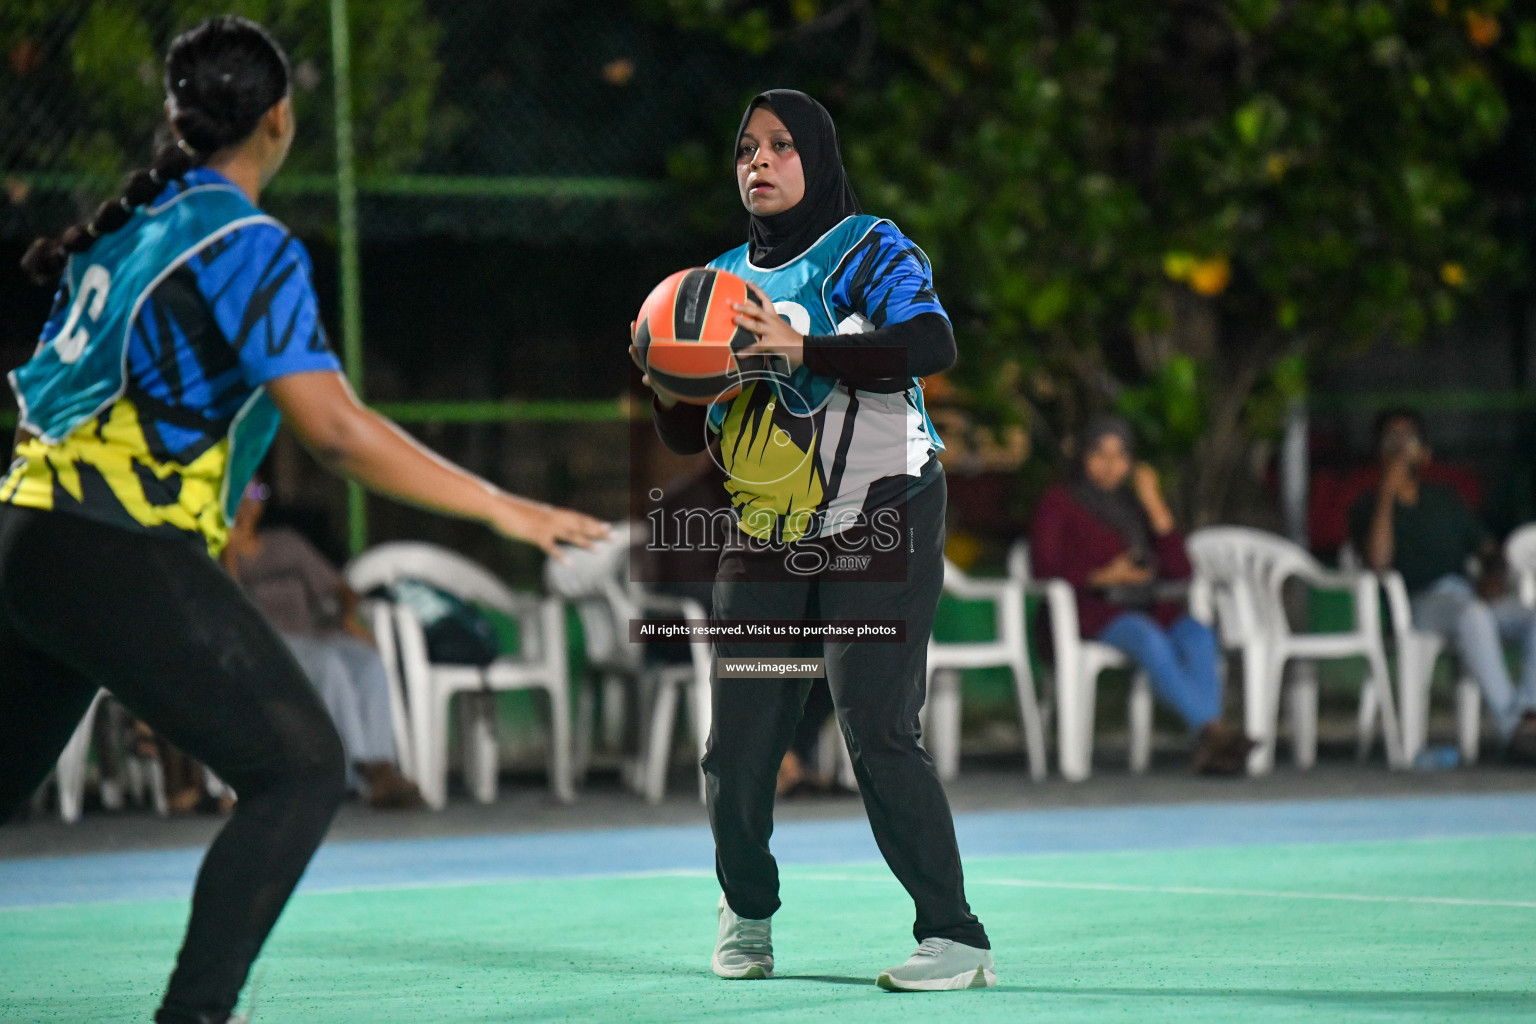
863	361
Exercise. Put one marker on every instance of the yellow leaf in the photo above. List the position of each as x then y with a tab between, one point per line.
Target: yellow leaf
1211	277
1453	274
1178	265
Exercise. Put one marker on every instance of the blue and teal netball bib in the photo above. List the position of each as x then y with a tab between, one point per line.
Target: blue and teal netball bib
806	454
147	394
82	369
796	289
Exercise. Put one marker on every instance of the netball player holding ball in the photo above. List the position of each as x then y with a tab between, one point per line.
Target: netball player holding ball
185	328
829	452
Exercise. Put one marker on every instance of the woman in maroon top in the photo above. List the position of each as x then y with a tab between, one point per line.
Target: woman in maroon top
1108	532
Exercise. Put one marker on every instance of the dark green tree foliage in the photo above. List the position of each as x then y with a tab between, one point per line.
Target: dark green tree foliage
1173	207
84	77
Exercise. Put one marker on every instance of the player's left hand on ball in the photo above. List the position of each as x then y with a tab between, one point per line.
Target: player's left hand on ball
774	335
667	398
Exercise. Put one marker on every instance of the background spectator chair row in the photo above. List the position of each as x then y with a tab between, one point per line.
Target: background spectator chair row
1240	582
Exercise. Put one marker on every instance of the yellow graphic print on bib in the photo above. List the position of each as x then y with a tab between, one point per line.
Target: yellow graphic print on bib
105	470
770	455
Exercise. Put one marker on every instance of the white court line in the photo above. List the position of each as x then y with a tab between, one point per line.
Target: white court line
1294	844
1021	883
1199	890
343	890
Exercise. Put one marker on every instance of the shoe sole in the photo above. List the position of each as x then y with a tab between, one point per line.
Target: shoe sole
979	978
756	972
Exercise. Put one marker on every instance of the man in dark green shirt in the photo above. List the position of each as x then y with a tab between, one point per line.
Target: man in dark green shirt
1426	532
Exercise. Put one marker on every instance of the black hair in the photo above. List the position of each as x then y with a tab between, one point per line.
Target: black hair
1095	430
221	76
1386	417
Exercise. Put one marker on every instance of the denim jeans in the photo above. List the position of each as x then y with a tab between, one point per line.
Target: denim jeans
1181	662
349	676
1480	629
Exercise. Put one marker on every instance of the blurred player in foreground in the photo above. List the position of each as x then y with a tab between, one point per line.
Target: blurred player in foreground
185	329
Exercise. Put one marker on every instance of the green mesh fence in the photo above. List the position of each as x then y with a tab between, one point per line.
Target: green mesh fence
487	123
533	119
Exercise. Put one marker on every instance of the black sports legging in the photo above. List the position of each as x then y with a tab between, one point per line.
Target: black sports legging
86	605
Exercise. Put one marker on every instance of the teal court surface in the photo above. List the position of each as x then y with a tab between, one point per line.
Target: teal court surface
1395	909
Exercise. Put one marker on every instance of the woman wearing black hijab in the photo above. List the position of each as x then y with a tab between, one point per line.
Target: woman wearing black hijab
1109	533
833	475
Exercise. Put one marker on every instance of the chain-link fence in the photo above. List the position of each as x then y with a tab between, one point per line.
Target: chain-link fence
498	128
529	120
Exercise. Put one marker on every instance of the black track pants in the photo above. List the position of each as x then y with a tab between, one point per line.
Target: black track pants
878	689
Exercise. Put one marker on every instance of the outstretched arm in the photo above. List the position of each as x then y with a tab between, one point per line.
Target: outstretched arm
358	443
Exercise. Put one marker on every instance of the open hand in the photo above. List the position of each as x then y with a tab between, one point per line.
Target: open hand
546	526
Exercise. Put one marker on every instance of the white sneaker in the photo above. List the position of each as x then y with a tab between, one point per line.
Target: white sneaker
744	948
939	965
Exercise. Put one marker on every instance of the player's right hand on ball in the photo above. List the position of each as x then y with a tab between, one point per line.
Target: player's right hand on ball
634	350
665	397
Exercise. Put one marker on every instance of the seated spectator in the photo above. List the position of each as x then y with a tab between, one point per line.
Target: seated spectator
1109	533
311	606
1428	534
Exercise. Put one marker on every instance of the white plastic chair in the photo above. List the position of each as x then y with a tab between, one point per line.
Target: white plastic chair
1222	596
1226	593
1079	663
1520	556
1418	652
1008	649
381	618
588	581
69	772
1252	567
142	779
597	583
539	665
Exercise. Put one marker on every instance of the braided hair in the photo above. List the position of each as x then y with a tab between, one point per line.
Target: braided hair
221	77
